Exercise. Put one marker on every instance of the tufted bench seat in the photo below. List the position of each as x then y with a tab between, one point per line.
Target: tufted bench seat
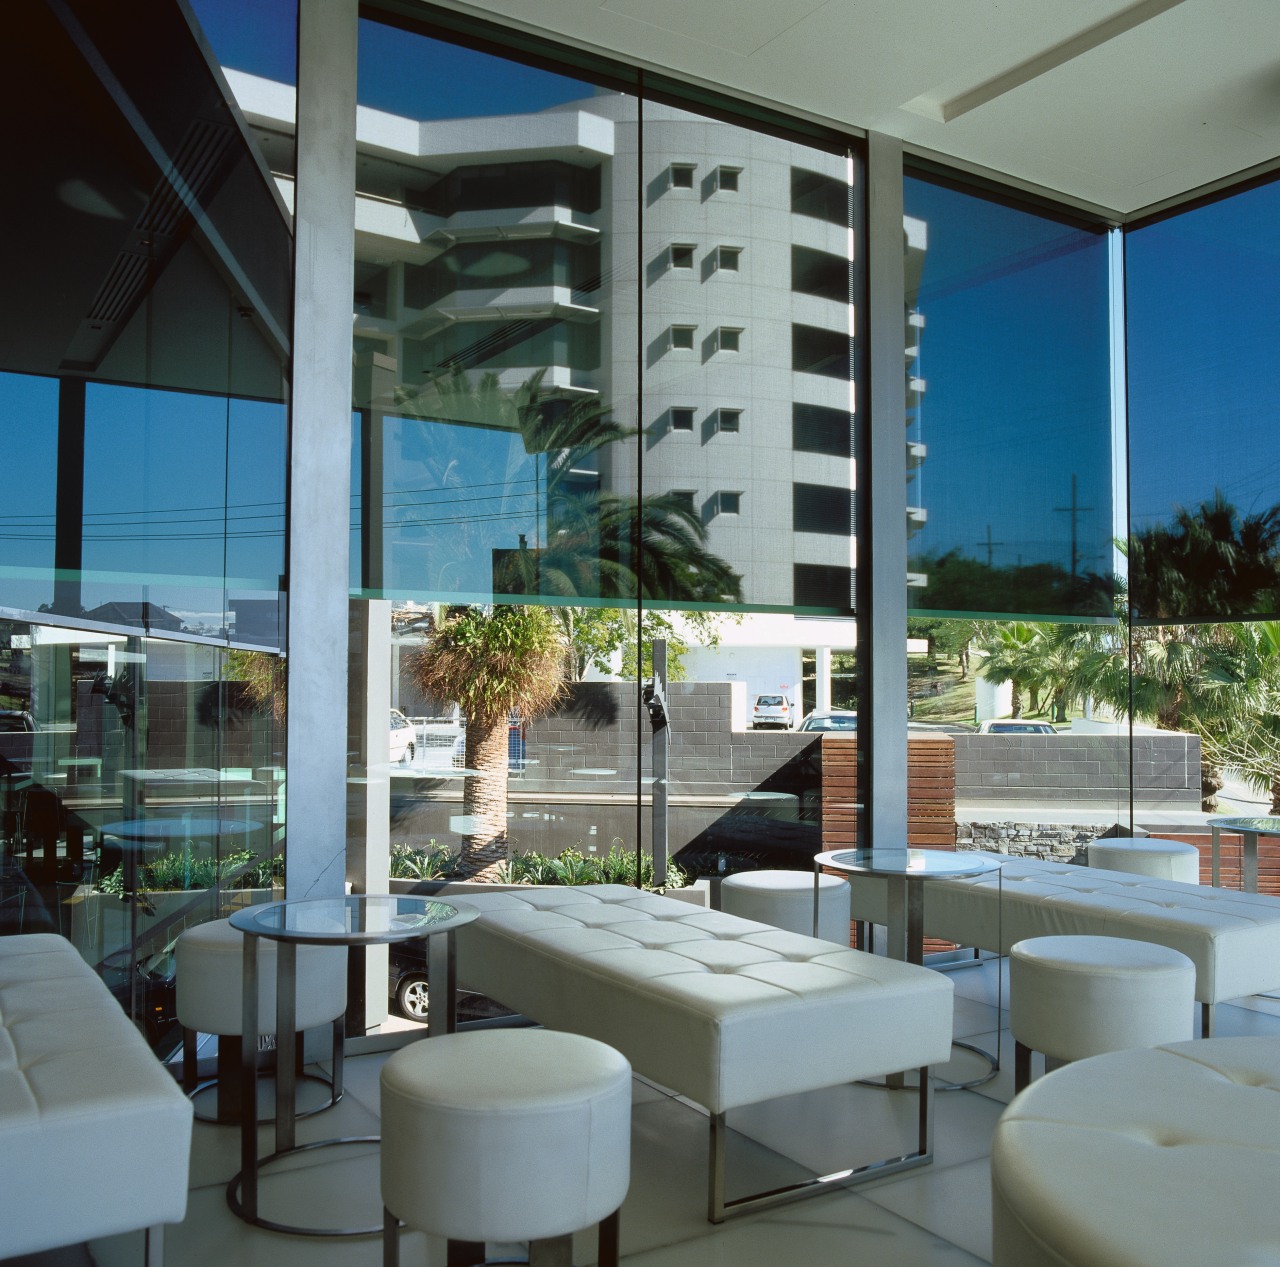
725	1011
1155	1157
95	1136
1232	938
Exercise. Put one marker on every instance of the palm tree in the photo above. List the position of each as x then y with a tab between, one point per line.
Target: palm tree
1181	677
1009	657
599	544
1208	564
493	664
1250	743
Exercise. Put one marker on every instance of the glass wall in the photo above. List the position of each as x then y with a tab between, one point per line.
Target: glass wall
1012	518
143	371
605	355
607	367
1204	542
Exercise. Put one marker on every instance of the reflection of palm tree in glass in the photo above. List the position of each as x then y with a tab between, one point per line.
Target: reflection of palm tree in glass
1207	564
596	543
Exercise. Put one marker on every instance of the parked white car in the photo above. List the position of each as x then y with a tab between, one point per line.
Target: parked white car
1014	726
402	738
772	711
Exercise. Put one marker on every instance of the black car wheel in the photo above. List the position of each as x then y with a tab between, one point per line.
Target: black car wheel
407	758
411	996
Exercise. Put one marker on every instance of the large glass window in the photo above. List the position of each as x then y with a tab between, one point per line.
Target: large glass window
1009	396
1203	548
143	359
1011	521
523	475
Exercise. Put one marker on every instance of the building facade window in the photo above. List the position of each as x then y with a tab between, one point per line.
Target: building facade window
681	256
822	508
727	179
681	418
726	503
822	585
818	351
728	339
729	420
681	175
821	429
728	258
682	337
819	196
820	273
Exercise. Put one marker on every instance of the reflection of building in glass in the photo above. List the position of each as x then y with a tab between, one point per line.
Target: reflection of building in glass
507	245
916	240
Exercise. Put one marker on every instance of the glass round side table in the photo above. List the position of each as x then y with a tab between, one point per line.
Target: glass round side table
905	871
358	919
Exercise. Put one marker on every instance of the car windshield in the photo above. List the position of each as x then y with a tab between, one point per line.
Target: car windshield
769	701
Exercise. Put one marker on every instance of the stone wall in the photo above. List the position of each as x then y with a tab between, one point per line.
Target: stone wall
1056	842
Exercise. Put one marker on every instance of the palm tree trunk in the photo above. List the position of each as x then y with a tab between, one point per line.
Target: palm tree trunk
484	797
1275	792
1210	786
1015	699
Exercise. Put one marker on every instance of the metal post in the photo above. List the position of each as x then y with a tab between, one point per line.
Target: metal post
656	701
249	1080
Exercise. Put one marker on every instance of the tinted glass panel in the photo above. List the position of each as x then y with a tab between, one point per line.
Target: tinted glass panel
1009	393
1204	447
151	267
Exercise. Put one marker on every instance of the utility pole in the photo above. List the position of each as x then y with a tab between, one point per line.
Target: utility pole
1075	510
990	546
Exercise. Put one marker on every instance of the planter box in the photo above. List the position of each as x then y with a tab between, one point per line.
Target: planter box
694	894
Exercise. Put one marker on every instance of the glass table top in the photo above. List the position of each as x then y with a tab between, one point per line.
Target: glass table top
354	920
1263	826
912	863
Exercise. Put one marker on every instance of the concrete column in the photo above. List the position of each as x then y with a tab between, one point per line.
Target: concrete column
320	450
822	679
369	796
885	494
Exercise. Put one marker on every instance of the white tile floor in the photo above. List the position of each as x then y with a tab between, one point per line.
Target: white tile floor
934	1216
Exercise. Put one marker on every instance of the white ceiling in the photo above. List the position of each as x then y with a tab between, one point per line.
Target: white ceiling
1116	103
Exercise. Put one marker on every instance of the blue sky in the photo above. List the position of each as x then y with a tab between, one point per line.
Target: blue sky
1204	327
1015	350
400	72
1014	353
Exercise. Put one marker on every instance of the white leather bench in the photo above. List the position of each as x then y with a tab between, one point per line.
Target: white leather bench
1155	1157
95	1136
1233	938
725	1011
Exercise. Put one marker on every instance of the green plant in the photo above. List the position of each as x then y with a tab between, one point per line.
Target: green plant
618	866
431	863
572	868
179	870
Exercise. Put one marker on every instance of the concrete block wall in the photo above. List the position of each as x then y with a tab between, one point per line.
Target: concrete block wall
599	726
1066	767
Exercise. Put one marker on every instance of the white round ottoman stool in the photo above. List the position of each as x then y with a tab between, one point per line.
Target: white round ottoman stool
1158	1157
1071	997
785	900
505	1135
209	963
1147	855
